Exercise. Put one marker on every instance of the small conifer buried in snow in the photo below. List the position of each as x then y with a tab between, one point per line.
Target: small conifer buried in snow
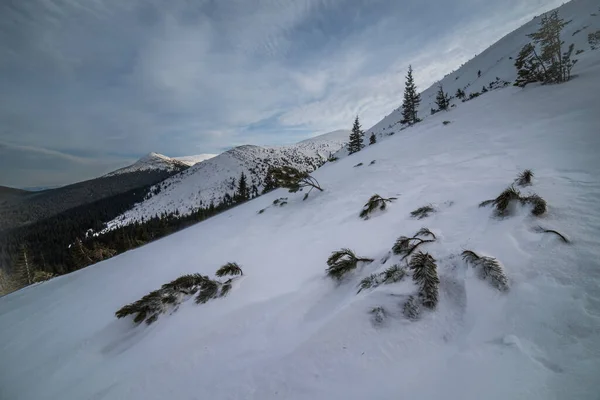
502	202
372	139
230	268
411	309
425	275
378	315
560	235
374	203
422	212
343	261
392	274
488	268
539	204
511	194
171	294
524	178
294	180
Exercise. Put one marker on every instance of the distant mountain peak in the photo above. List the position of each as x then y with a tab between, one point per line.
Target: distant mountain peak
152	161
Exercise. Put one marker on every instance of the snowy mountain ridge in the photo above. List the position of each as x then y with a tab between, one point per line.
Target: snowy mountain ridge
210	180
152	161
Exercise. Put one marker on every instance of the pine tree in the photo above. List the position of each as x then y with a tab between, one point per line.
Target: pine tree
372	139
269	183
460	94
242	193
442	99
411	102
550	64
23	269
294	180
355	143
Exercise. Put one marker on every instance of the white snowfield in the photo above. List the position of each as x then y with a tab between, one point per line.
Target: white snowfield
153	161
192	160
211	179
286	331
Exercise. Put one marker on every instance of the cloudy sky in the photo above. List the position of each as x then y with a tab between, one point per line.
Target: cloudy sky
87	86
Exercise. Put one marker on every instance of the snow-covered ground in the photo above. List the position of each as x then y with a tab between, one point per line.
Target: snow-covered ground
286	331
211	179
191	160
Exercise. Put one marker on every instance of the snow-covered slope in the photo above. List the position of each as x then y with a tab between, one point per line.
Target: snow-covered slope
496	63
153	161
288	332
211	179
285	331
191	160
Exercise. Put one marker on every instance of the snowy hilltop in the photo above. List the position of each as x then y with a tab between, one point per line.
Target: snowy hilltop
192	160
210	180
456	259
153	161
495	67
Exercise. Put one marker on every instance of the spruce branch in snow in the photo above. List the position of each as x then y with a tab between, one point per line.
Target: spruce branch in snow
539	204
375	202
425	275
411	309
208	290
524	178
422	212
405	246
294	179
368	282
230	268
502	202
488	268
343	261
425	232
560	235
392	274
171	294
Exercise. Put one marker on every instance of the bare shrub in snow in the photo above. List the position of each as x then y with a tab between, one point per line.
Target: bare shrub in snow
425	275
422	212
343	261
374	203
524	178
488	268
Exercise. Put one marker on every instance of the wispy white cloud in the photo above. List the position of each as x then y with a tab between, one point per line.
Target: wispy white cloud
183	76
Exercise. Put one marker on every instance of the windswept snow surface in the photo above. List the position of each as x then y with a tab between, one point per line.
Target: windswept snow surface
288	332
